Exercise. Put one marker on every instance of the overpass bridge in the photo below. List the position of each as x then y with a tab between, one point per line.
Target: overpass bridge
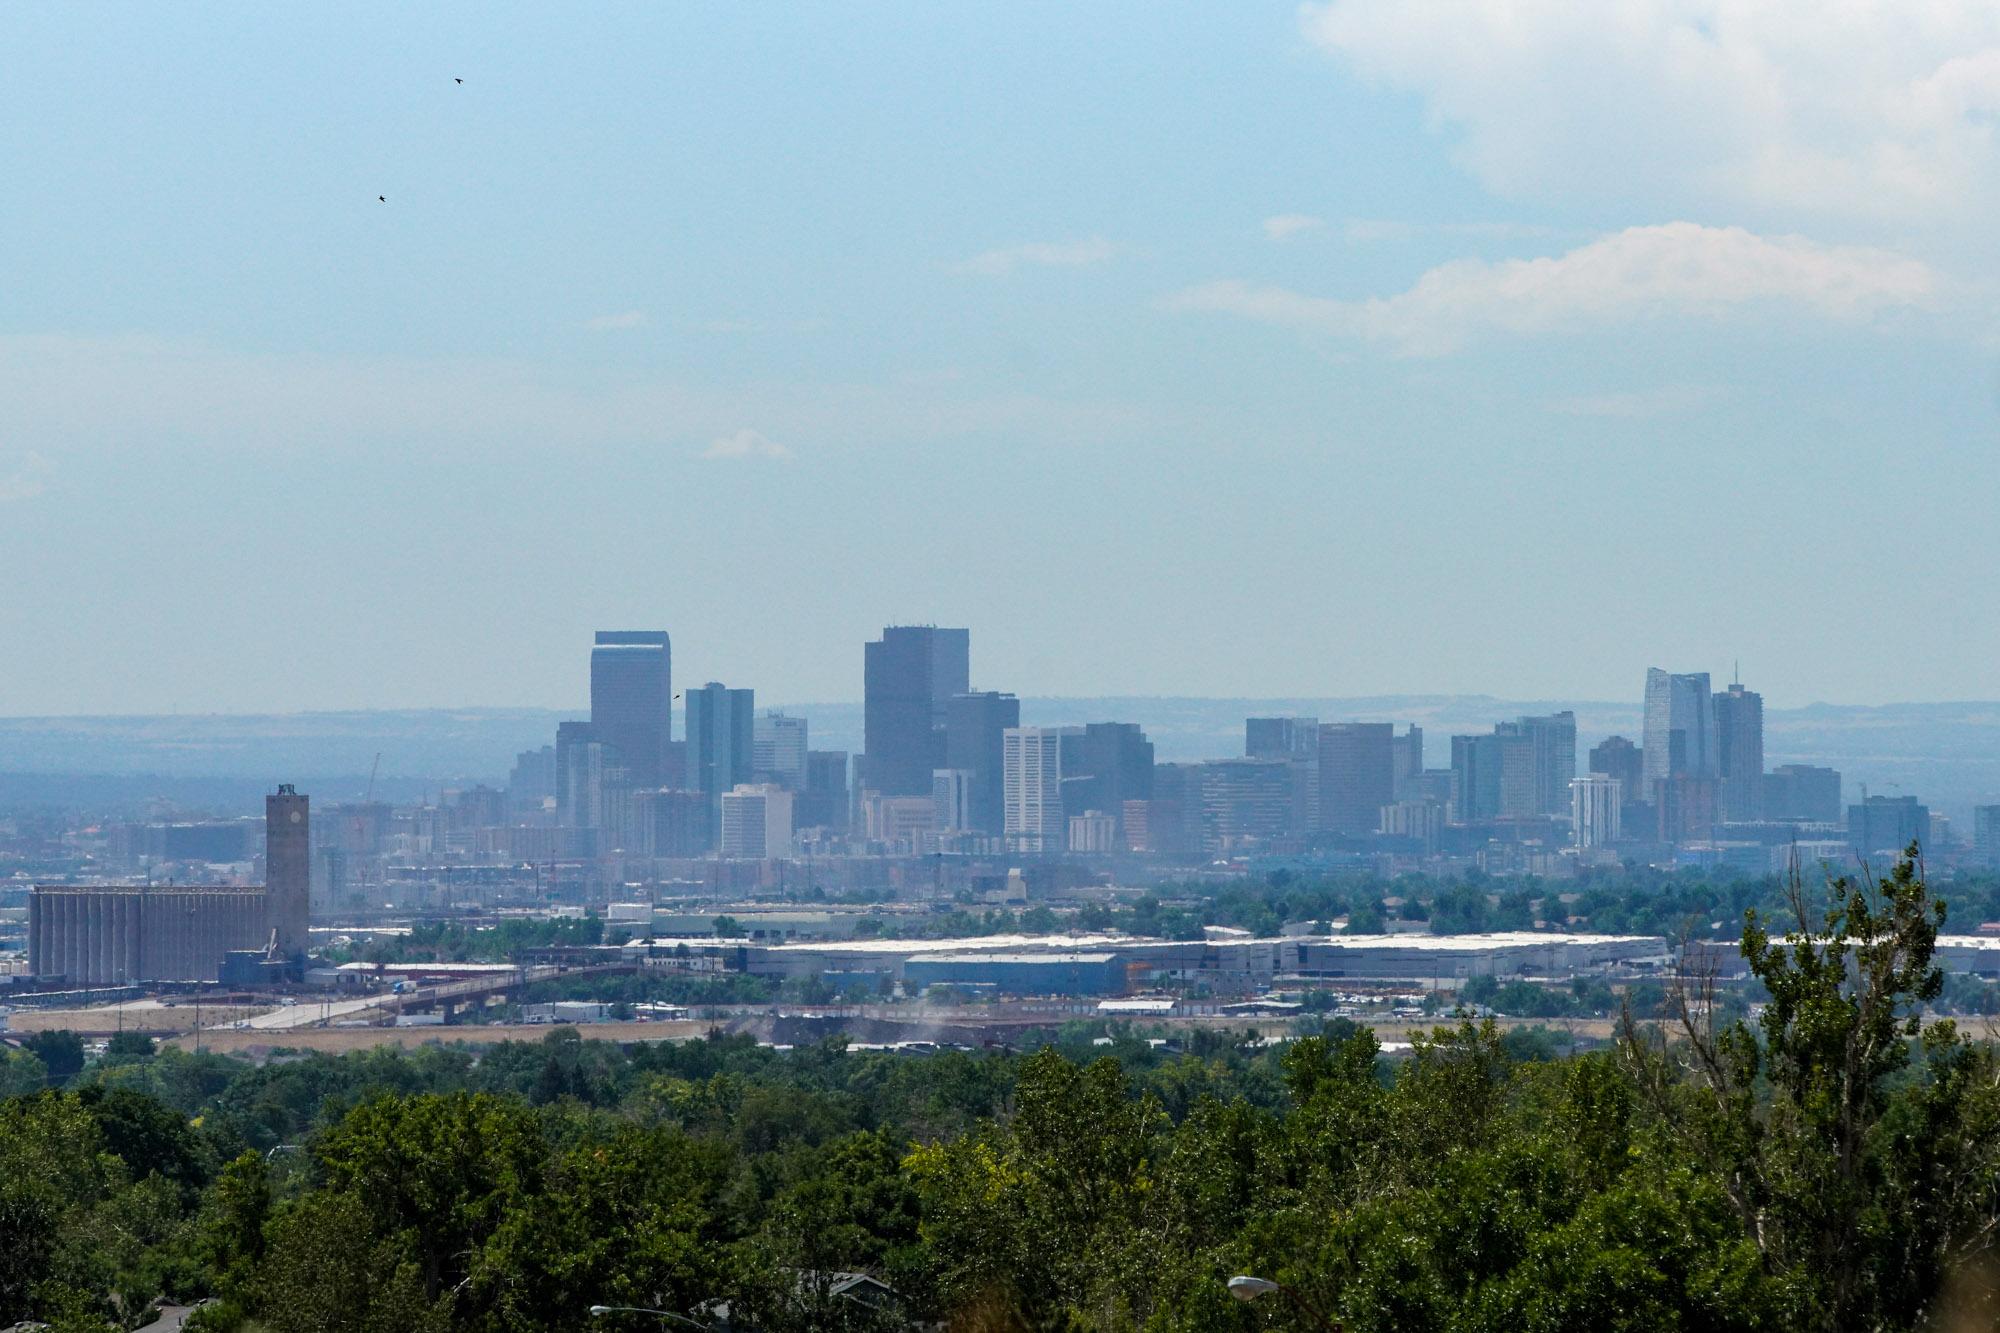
449	996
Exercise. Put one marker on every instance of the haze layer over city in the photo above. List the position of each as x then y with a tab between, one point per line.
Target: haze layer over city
999	667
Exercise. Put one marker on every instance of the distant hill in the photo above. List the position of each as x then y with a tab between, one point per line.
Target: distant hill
1948	753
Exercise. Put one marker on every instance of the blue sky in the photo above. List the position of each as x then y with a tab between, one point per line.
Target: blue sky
1245	350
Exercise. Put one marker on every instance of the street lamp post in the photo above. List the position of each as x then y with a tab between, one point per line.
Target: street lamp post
599	1311
1246	1289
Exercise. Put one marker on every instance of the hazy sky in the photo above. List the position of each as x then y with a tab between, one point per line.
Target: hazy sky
1206	349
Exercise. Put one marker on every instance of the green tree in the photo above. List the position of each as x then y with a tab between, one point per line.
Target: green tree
1860	1177
60	1051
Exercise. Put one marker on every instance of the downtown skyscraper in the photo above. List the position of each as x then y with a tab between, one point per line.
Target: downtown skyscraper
1739	727
1680	738
631	701
909	677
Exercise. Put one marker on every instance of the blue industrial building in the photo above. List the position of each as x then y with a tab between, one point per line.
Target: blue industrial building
1020	973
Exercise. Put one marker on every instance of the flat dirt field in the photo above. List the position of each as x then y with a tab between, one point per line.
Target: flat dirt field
156	1019
360	1039
337	1040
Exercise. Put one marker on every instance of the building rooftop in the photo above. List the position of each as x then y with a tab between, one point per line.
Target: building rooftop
1084	959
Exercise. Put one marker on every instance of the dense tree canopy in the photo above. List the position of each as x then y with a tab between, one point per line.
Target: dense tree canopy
1832	1164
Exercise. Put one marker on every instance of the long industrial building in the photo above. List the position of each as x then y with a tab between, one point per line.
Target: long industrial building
1022	964
118	934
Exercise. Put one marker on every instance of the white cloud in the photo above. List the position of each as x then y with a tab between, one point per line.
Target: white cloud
1362	231
745	443
1287	225
1784	110
1670	400
26	479
628	319
1679	268
1040	254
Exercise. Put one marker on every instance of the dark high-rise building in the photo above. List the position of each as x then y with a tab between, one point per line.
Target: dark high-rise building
721	742
1739	729
1476	767
586	769
1357	774
1407	756
1685	807
1887	824
1538	761
1986	833
288	869
1804	793
908	679
975	731
824	804
1173	816
1295	740
1108	764
1246	803
1616	757
670	823
632	699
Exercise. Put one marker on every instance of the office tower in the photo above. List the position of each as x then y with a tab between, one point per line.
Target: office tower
1406	759
1680	735
1739	730
756	822
1248	803
1802	793
1519	791
1885	825
533	779
974	742
1296	740
287	869
1475	778
1686	807
591	780
1596	807
1172	819
632	700
571	737
1616	757
1416	820
778	751
721	740
951	797
1356	775
898	821
1108	764
1031	768
1553	759
825	802
1093	832
670	822
908	678
1434	785
1986	833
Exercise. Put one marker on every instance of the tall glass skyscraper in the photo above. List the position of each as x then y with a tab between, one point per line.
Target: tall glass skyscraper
721	741
632	700
1680	737
909	677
